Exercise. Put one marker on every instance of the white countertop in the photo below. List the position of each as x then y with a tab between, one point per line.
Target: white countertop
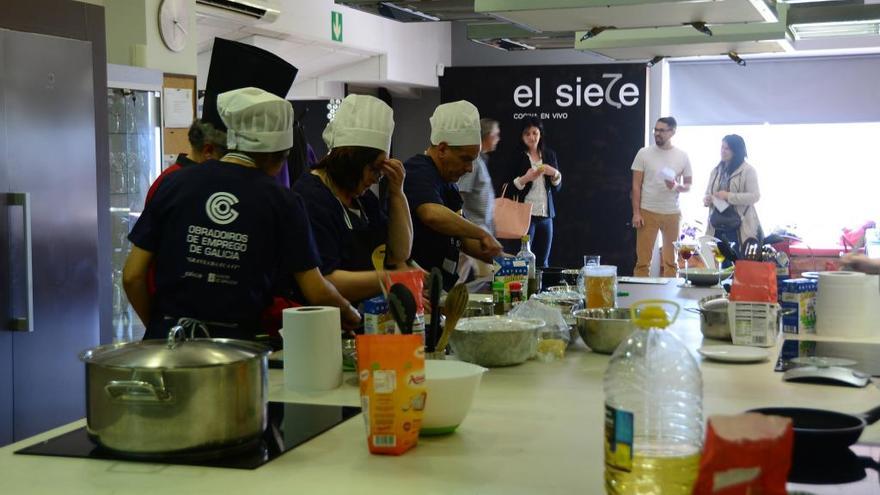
534	428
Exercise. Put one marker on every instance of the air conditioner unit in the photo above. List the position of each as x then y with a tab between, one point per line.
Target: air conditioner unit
240	10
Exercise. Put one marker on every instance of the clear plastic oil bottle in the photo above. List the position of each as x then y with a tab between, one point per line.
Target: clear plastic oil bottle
653	409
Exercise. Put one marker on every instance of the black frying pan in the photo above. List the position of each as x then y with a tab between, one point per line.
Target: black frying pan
815	429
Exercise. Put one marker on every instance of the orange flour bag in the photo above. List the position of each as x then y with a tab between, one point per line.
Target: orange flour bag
391	373
745	454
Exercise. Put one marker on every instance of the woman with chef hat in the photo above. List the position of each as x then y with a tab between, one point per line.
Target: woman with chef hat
224	234
348	219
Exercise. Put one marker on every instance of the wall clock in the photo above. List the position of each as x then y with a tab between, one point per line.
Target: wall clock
174	22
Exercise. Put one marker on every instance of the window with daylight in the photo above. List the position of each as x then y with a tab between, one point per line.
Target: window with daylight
816	178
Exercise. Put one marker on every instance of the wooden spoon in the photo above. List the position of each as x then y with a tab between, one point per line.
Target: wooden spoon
456	304
379	266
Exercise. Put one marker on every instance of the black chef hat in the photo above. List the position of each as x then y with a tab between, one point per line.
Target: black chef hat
236	65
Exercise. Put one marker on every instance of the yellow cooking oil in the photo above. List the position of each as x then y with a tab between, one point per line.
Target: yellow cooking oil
551	349
654	475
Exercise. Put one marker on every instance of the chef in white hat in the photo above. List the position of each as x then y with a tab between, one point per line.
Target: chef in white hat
225	235
439	230
349	221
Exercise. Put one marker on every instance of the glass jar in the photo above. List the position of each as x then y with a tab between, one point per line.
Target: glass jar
600	286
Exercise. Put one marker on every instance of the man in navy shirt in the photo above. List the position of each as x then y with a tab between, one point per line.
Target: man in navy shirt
439	230
225	235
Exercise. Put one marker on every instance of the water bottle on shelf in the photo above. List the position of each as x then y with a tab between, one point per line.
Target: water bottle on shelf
526	253
653	409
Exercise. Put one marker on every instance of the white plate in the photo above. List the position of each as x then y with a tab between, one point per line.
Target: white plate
733	353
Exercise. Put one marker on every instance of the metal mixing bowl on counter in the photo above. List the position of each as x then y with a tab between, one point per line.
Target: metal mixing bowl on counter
495	340
604	329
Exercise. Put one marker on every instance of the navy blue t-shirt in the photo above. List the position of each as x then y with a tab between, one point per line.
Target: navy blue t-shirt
223	236
345	239
430	248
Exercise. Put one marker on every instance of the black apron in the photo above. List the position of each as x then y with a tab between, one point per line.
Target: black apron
364	239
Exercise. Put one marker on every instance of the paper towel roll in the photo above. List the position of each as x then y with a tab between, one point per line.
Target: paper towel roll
847	304
312	348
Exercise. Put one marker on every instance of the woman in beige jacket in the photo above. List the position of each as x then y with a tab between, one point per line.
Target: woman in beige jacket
733	181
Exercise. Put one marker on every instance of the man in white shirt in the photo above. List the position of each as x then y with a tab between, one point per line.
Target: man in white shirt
660	174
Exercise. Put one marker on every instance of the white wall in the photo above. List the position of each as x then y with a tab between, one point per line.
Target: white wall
132	28
158	56
374	51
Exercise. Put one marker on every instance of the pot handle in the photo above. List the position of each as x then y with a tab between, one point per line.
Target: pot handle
871	416
136	391
694	310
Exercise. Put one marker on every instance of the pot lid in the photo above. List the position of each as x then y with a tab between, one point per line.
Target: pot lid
561	296
159	354
714	303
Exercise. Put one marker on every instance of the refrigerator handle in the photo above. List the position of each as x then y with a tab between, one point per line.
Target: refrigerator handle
25	322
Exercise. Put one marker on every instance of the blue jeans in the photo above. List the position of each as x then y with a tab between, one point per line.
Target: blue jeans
541	235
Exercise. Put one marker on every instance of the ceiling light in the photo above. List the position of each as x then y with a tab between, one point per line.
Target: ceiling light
654	61
736	58
835	29
592	33
701	27
403	14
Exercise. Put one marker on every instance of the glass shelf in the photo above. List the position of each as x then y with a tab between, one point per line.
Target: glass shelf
135	162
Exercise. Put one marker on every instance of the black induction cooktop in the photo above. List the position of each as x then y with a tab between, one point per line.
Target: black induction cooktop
289	425
826	472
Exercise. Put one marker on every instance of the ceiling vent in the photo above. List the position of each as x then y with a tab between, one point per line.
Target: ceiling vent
505	44
255	10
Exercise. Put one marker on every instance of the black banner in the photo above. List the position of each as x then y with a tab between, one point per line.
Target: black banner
594	118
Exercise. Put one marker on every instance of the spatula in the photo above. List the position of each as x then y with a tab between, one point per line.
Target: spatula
402	302
725	249
456	304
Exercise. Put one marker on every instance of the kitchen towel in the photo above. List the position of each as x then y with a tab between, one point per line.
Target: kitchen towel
847	304
312	348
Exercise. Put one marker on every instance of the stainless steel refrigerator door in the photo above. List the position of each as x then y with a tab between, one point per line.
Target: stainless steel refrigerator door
50	154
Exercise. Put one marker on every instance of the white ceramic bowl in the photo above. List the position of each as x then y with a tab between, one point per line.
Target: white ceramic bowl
451	388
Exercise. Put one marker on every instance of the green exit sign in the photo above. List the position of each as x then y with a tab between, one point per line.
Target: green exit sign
336	26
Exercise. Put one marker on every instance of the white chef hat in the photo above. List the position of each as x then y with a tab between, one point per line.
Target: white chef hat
456	123
256	120
361	120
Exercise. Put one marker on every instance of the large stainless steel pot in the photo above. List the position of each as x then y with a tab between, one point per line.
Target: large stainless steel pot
177	396
713	317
